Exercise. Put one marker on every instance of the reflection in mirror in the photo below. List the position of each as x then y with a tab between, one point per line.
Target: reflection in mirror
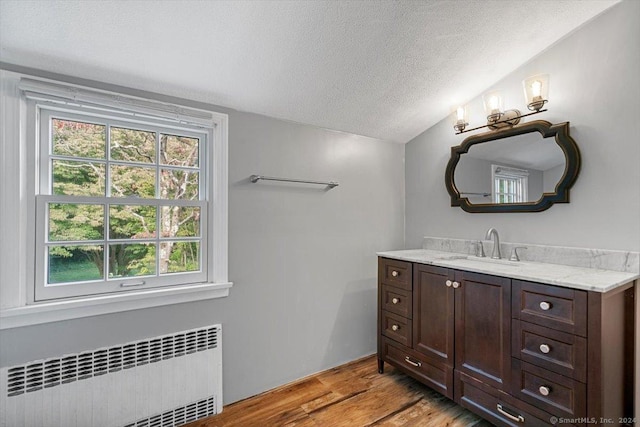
522	168
518	169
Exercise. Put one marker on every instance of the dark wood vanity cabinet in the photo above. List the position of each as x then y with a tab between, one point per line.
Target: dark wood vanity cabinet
514	352
468	312
483	328
433	335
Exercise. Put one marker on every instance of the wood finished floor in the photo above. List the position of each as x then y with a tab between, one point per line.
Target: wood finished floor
351	395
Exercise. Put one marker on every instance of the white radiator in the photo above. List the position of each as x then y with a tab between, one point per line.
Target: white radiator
163	381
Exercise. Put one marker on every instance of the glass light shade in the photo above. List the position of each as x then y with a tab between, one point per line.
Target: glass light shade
460	118
492	103
536	91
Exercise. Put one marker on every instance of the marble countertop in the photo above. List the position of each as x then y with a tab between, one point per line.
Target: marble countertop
588	279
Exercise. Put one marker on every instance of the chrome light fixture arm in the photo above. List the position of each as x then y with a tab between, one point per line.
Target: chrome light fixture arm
509	121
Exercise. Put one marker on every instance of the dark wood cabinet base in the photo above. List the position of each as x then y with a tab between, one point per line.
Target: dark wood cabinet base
516	353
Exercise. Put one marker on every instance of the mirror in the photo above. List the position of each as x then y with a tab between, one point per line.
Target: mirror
524	168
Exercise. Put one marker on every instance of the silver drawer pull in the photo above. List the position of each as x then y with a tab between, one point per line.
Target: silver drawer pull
395	273
545	348
448	283
544	390
395	327
455	285
395	300
518	419
411	362
544	305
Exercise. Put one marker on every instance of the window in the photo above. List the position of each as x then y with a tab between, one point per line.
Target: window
509	184
120	205
129	197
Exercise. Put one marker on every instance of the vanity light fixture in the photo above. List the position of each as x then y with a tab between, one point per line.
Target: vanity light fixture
536	92
496	117
460	119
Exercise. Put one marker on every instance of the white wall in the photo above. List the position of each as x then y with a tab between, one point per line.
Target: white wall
594	85
302	259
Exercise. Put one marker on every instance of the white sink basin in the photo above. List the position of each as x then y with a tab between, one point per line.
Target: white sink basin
465	259
494	261
452	257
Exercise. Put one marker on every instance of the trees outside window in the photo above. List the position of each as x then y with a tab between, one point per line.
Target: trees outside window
122	200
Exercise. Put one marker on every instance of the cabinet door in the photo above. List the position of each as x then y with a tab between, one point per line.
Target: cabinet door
433	321
483	327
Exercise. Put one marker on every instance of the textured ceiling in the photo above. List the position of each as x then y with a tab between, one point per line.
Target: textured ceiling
384	69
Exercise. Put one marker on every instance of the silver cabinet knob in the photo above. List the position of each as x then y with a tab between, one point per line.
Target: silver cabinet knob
455	285
395	300
448	283
394	273
544	348
544	305
395	327
544	390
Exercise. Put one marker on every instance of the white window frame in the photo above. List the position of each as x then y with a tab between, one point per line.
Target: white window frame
22	99
519	176
45	113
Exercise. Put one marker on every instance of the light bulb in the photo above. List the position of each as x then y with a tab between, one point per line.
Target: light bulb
536	88
494	103
460	119
536	91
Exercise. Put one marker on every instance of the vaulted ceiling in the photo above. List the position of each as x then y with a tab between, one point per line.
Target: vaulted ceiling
384	69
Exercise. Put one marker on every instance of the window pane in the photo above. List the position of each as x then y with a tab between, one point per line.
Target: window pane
130	145
75	263
179	257
180	221
179	184
132	181
179	150
74	222
78	178
131	260
132	222
78	139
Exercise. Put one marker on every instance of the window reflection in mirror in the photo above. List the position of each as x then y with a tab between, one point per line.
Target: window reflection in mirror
513	170
510	185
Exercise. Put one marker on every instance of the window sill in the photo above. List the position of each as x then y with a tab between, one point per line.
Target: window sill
104	304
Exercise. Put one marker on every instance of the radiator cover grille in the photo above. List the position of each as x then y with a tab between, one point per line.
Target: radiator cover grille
52	372
179	416
162	381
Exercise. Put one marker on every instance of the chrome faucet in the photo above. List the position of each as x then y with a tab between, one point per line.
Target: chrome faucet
492	232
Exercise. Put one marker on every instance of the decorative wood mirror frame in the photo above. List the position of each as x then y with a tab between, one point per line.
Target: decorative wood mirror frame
572	167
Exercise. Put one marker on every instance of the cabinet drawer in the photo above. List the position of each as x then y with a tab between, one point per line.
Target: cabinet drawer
551	306
436	375
496	406
396	327
563	353
556	394
395	273
396	300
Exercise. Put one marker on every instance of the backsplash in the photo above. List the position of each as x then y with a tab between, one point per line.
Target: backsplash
578	257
